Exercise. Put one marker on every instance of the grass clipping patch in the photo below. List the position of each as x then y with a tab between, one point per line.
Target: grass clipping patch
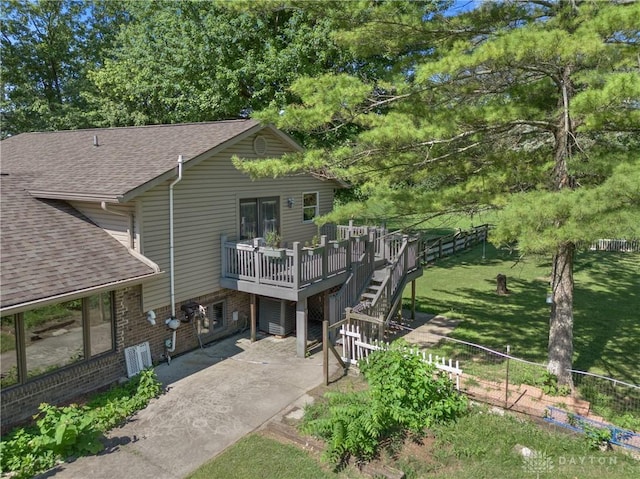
405	397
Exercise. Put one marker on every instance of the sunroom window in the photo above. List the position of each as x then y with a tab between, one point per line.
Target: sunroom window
45	339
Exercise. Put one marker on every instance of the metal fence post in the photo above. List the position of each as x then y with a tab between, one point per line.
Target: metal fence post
506	383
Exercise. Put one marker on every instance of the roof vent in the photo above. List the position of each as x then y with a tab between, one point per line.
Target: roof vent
260	145
95	140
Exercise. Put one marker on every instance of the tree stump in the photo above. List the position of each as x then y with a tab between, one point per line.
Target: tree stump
501	281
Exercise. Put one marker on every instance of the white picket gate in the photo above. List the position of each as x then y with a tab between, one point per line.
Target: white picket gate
355	346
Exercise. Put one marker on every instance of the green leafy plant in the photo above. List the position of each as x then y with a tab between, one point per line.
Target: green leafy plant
74	430
572	420
67	431
272	238
549	385
405	396
627	421
596	437
9	377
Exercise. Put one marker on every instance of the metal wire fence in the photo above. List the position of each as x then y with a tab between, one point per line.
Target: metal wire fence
499	378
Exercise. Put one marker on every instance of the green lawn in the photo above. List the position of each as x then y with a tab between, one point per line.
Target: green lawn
256	456
478	446
445	224
607	298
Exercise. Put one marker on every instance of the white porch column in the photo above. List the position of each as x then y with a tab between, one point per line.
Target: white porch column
301	328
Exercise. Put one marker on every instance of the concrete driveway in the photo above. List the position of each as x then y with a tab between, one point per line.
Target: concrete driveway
214	397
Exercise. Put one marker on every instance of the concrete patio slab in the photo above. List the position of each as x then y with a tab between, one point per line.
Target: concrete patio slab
214	396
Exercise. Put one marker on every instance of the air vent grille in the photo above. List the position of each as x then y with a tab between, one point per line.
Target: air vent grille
138	357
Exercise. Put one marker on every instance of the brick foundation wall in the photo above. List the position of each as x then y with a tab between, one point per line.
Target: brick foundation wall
139	330
20	403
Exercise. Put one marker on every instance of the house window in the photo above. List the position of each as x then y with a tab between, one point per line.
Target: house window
100	323
310	206
48	338
259	216
53	337
216	315
9	363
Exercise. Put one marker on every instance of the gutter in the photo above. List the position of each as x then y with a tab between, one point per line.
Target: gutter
18	308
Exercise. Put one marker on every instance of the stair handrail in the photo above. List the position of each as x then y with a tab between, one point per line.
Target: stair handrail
352	289
397	269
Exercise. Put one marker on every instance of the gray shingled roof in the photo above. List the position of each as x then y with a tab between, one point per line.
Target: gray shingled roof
66	163
48	248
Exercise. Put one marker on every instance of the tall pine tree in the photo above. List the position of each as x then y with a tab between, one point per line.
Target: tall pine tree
532	108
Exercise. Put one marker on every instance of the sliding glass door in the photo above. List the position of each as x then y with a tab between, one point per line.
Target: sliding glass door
259	216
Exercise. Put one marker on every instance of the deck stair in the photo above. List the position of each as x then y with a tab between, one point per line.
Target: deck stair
374	288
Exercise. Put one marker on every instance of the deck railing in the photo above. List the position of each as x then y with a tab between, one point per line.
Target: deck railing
293	268
349	293
355	250
341	232
402	251
405	252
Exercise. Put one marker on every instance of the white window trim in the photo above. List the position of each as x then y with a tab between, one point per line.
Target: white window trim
317	206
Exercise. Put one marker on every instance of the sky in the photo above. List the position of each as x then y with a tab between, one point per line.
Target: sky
460	6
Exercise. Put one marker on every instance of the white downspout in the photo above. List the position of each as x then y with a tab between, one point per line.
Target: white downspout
171	253
173	345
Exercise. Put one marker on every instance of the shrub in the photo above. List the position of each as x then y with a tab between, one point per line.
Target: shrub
62	432
405	395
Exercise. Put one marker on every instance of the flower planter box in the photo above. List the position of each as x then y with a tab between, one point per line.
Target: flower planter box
274	252
314	250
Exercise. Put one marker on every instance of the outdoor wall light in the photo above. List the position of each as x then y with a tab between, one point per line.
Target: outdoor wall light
151	317
290	202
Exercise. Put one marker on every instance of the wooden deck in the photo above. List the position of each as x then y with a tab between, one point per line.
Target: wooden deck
293	273
299	272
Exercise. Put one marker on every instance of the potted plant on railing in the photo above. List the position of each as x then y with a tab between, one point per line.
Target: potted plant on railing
272	249
315	247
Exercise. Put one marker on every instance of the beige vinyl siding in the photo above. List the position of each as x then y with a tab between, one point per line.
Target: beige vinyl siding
206	203
117	225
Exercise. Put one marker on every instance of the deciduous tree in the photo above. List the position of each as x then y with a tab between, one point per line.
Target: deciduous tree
47	46
200	61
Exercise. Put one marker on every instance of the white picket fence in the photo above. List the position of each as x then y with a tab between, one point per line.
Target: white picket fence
355	347
627	246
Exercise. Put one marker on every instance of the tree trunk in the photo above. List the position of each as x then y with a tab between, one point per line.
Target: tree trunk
561	320
501	281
